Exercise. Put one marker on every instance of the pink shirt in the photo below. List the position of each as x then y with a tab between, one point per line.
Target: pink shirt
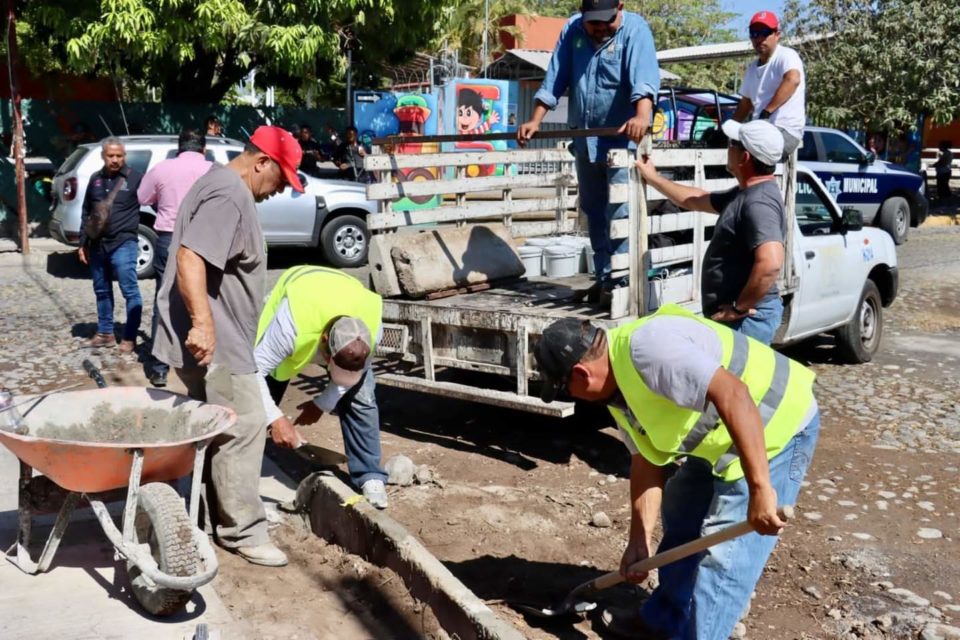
167	183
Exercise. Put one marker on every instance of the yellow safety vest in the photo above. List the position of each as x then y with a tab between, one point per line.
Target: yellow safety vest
663	431
316	296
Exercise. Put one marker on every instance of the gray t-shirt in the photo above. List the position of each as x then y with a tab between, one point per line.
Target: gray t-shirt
748	218
217	221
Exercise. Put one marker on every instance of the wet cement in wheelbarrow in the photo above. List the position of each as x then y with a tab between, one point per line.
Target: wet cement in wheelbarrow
131	424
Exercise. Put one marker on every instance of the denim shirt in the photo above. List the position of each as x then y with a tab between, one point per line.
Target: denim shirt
604	83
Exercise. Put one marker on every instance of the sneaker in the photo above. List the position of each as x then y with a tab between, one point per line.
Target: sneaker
102	340
375	493
267	555
158	379
626	622
127	346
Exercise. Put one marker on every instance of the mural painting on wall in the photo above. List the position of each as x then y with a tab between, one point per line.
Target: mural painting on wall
477	107
377	114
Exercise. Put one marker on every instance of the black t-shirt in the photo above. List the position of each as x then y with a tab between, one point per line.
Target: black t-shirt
124	216
748	218
308	164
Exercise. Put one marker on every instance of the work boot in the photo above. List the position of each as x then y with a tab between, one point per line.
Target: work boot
127	346
267	555
158	379
626	622
102	340
375	493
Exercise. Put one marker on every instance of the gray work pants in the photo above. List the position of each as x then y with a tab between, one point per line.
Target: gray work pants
235	457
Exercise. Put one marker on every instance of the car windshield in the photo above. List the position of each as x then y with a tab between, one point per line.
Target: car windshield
73	160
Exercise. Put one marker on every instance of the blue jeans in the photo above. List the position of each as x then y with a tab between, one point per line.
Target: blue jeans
702	597
593	180
359	424
762	326
120	265
162	252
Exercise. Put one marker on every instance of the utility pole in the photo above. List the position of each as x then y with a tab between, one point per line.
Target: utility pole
349	85
18	147
486	25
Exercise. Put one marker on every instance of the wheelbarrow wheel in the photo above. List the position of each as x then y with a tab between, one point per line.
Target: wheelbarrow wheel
163	524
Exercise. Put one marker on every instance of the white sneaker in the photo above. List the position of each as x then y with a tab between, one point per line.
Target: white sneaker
375	493
268	555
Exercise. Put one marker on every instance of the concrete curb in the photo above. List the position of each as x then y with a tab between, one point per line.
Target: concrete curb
370	533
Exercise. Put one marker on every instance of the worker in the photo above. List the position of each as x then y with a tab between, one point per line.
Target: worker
738	281
318	311
774	85
739	417
607	59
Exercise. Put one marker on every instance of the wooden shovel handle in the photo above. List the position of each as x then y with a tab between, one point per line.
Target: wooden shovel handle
678	553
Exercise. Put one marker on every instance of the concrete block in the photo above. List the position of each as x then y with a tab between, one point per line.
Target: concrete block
363	530
448	258
382	273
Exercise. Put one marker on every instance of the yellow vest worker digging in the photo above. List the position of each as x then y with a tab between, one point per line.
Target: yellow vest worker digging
316	296
781	388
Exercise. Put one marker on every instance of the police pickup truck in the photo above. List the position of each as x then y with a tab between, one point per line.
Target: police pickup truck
887	195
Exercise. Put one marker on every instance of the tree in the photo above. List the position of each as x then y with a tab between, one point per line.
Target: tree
196	50
462	24
887	62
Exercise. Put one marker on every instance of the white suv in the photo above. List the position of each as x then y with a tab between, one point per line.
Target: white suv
330	214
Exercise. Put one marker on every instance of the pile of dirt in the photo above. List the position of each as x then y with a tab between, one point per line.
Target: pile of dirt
130	425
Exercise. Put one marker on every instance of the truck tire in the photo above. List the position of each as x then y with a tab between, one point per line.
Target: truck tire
860	338
163	524
345	241
895	218
146	251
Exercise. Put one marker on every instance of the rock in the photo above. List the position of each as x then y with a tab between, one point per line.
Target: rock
846	503
601	520
836	614
937	631
881	505
886	585
907	597
813	592
862	536
401	470
812	515
930	534
739	632
423	475
926	506
943	595
887	494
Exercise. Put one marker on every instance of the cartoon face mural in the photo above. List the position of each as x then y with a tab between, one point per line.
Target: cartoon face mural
474	114
477	107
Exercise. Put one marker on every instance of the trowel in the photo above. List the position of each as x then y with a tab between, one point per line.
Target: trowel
578	601
320	456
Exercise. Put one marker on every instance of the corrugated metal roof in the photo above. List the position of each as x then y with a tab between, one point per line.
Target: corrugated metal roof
724	50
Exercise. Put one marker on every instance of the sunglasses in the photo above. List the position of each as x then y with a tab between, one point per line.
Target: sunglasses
761	34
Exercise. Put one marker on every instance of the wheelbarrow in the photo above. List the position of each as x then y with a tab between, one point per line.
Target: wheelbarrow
99	445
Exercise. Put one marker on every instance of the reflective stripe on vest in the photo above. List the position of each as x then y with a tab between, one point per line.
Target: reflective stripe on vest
663	431
317	295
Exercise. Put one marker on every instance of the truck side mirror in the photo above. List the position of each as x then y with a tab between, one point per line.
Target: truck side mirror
852	220
869	158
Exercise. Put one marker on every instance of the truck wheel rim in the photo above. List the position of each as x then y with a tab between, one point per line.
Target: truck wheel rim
144	253
901	220
868	322
349	241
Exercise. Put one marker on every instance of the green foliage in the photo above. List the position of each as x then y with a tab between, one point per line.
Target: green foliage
889	62
461	24
195	50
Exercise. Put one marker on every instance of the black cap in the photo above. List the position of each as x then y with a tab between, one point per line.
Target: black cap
561	346
599	10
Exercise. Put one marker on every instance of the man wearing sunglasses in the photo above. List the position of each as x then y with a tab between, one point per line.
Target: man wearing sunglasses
774	87
607	59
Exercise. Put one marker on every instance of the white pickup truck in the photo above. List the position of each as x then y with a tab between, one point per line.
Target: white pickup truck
837	279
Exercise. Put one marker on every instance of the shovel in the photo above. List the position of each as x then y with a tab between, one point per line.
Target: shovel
576	601
319	456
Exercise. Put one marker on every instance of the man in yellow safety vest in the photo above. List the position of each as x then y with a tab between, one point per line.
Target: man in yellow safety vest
319	312
739	417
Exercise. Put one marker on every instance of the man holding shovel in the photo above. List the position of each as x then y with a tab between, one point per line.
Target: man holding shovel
311	312
741	419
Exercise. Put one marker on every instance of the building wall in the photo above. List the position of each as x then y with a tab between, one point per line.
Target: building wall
534	32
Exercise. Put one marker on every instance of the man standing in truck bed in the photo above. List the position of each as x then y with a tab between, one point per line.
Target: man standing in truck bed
606	57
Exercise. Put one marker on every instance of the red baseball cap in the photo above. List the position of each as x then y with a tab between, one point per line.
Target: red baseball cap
283	149
766	18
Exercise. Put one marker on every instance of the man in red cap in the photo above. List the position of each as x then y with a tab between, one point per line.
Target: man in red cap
774	87
209	305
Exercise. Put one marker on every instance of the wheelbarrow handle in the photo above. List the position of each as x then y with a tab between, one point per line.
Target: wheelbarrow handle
613	578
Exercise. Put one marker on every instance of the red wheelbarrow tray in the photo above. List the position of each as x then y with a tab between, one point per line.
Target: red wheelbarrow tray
92	466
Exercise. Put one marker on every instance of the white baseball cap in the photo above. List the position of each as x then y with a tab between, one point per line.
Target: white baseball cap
350	346
763	140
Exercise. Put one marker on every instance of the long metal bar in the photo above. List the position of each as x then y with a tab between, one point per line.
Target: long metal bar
133	495
59	527
196	482
602	132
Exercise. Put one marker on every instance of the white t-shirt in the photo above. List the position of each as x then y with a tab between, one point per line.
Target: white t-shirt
760	83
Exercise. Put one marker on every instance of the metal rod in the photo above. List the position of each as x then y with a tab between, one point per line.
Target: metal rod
133	495
42	396
59	527
602	132
196	482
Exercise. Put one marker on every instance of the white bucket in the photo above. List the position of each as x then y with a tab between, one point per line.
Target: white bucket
532	259
540	242
588	256
561	260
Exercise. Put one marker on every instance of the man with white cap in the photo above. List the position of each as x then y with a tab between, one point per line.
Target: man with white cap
320	313
774	86
738	283
209	302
